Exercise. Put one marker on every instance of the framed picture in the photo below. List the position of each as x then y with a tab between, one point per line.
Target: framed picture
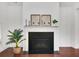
45	20
35	19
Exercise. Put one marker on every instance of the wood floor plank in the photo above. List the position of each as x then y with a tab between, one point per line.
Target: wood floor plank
64	52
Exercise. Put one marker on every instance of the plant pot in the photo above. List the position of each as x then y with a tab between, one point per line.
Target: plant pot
17	50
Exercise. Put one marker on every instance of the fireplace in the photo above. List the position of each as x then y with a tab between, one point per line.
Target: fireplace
41	42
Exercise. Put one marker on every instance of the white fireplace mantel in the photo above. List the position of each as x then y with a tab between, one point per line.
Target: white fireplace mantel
43	29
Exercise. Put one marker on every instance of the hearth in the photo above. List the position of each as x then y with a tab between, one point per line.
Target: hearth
41	42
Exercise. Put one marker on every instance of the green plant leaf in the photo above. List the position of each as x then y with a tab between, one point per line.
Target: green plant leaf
10	32
15	36
12	39
22	40
10	42
19	37
55	21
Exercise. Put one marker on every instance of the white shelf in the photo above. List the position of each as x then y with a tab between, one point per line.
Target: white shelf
43	26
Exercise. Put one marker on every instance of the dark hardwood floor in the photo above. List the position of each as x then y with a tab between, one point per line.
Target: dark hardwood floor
63	52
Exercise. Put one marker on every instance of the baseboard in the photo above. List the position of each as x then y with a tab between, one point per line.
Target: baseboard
25	52
56	52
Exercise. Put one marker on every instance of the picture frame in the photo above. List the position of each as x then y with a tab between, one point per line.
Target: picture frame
45	20
35	19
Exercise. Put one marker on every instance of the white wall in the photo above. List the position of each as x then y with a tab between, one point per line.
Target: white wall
76	9
67	26
70	23
10	18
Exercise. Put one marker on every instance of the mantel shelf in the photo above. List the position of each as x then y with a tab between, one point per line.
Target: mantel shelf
43	26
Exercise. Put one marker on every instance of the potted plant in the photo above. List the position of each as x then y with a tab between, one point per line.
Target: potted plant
55	22
15	37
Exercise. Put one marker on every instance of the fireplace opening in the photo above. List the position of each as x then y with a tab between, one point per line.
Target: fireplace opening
41	42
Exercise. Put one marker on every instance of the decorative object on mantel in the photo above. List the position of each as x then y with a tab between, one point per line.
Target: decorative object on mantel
27	23
35	19
45	20
55	22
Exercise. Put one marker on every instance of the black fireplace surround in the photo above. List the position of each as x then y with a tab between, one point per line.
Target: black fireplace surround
41	42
